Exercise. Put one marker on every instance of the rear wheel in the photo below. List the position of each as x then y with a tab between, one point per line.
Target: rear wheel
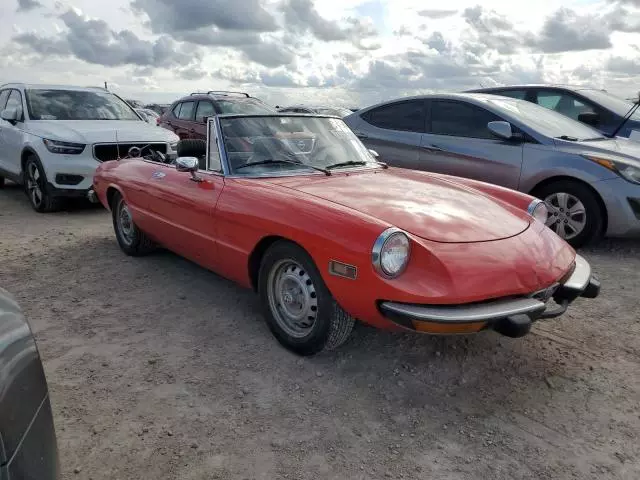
299	309
574	211
35	186
1	182
131	239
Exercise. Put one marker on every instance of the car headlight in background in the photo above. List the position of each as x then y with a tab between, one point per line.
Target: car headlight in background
67	148
626	171
390	253
538	210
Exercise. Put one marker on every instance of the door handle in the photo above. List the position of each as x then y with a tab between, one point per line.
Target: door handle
361	135
433	148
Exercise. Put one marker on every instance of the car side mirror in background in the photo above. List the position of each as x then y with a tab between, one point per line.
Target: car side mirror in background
204	119
10	115
374	154
501	129
188	164
590	118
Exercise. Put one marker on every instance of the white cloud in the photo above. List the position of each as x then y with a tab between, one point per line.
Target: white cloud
350	52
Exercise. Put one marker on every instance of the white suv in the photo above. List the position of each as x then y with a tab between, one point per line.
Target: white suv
52	138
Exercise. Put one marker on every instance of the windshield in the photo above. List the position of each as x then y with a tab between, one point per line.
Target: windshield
76	105
243	107
277	144
617	105
542	120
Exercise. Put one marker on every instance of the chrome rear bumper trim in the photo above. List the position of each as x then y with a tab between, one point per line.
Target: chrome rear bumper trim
580	277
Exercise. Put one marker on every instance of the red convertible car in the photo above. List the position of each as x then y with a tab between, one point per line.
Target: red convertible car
326	234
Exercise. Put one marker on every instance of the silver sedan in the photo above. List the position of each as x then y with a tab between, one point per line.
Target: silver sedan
590	183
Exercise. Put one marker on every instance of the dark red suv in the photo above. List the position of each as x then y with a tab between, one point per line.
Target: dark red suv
187	117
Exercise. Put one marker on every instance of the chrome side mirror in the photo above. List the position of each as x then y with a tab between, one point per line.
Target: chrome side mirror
374	154
188	164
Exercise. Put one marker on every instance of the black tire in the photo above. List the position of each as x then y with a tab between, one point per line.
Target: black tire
594	215
35	186
331	326
1	182
192	147
134	243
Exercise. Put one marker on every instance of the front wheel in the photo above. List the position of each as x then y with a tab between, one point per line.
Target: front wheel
35	186
299	309
131	239
574	212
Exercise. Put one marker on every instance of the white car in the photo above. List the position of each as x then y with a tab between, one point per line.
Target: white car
52	138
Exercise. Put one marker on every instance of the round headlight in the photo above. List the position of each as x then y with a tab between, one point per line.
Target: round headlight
390	253
538	210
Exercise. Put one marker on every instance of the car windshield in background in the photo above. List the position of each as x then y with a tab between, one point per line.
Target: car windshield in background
143	114
243	107
338	112
272	145
616	104
76	105
545	121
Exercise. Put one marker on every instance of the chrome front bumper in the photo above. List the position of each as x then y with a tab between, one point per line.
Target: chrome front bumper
510	316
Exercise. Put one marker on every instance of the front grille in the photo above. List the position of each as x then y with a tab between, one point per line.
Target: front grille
67	179
104	152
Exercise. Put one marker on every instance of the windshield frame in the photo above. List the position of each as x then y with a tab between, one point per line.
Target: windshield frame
71	89
214	134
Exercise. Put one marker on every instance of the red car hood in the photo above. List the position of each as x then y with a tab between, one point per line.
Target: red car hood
426	206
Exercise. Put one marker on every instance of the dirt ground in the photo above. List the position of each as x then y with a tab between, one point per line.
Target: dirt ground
159	369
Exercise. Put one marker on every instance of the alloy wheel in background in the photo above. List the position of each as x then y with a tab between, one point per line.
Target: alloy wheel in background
567	215
34	185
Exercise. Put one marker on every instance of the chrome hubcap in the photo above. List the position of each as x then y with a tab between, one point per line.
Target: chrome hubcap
125	224
33	184
567	215
292	298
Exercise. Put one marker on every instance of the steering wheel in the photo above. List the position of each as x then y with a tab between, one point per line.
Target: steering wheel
161	157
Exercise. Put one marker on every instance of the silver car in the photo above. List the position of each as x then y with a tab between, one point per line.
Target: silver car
591	183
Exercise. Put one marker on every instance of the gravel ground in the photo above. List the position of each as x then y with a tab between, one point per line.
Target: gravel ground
159	369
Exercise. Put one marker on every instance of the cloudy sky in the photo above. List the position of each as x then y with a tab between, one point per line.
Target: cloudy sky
345	52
